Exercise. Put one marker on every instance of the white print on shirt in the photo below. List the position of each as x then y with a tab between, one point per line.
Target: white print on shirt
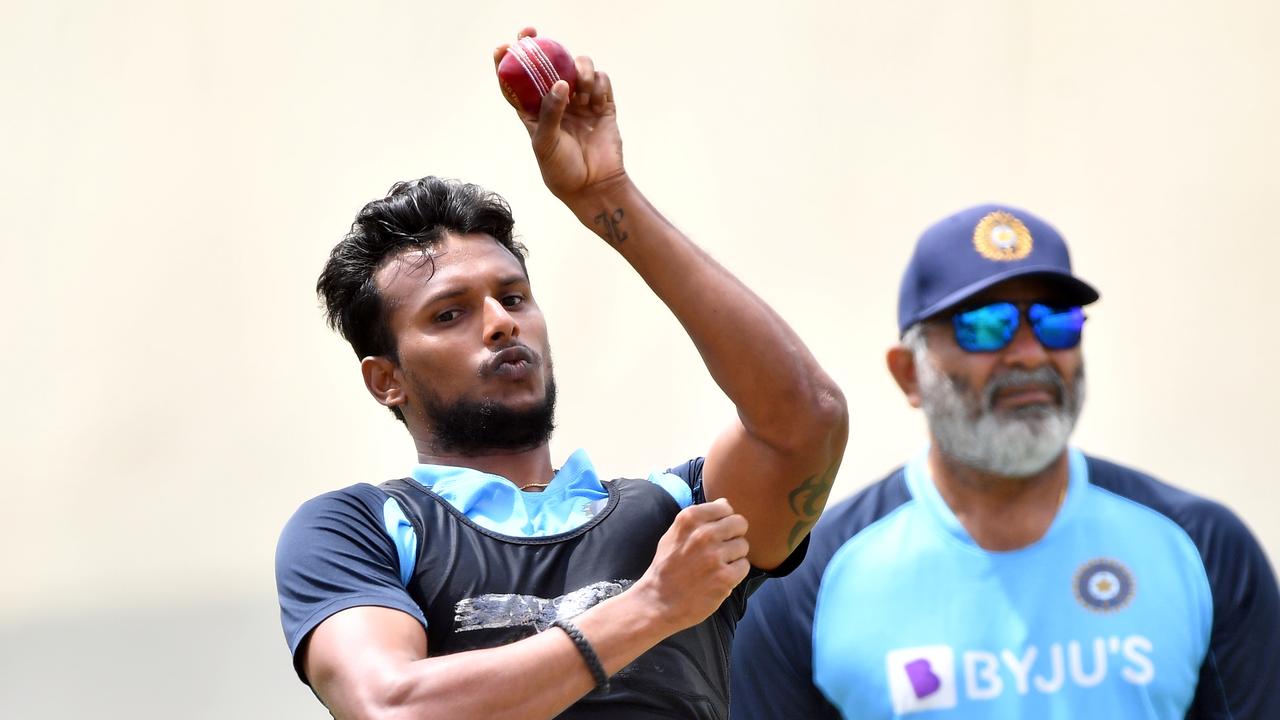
924	678
506	610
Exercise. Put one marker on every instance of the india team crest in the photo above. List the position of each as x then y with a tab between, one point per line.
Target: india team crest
1104	585
1001	236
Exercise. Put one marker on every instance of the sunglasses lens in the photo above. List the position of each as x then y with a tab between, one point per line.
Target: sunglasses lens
986	329
1057	328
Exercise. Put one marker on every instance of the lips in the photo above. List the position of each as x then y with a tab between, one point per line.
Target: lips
1028	395
513	362
1019	388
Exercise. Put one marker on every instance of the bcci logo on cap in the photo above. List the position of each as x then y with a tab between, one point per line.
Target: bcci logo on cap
1001	236
921	678
1103	585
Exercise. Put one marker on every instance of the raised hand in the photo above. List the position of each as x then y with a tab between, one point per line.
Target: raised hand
575	139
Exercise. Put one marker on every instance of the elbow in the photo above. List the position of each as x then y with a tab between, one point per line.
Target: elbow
389	696
831	409
820	421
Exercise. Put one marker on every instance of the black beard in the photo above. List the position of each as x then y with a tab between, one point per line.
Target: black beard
471	427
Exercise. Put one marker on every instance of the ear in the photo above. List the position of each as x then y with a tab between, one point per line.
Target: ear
902	366
384	380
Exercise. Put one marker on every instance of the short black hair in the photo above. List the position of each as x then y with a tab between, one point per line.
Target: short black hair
414	214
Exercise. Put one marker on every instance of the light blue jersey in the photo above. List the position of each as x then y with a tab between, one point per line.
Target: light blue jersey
1114	613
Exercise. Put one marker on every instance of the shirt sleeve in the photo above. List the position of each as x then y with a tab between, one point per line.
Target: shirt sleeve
335	554
1241	671
691	473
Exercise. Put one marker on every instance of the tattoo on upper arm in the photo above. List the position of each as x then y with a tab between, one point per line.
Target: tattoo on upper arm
611	222
808	499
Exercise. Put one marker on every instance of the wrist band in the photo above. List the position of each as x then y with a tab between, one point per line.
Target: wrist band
588	654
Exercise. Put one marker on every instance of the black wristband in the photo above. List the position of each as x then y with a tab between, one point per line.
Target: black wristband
588	654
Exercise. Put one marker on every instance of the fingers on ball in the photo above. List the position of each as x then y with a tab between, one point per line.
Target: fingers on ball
586	79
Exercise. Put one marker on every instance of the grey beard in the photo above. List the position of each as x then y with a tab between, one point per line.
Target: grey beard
1014	445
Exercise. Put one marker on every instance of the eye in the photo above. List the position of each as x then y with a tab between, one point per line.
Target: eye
512	300
448	316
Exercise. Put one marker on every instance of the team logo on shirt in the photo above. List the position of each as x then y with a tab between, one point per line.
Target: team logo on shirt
1104	585
921	678
1001	236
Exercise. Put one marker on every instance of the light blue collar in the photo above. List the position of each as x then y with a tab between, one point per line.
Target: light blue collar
574	496
920	484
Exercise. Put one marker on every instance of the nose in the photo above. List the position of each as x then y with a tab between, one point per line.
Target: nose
1025	349
499	325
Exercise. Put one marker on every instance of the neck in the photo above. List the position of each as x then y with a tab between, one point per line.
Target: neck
520	467
1000	513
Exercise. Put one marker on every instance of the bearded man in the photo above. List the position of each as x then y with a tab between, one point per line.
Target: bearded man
1002	573
490	583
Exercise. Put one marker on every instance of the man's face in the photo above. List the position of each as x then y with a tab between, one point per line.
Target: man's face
1010	412
472	346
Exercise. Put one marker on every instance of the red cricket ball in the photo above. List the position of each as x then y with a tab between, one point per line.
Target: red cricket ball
529	69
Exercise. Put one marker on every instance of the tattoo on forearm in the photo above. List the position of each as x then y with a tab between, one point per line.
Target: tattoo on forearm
611	222
808	499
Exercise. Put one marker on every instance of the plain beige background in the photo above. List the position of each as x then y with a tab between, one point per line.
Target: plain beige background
175	172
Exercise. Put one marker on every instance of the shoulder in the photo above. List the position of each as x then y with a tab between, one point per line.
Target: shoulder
1233	561
1244	644
357	519
354	506
1208	523
357	499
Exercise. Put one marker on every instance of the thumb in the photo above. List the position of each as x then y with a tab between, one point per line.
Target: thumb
549	116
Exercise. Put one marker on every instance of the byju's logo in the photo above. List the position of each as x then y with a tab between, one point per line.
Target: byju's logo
930	678
921	678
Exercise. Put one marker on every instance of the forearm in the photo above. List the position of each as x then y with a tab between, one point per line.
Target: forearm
778	387
537	677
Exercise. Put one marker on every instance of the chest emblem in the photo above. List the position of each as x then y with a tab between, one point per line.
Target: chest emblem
1104	585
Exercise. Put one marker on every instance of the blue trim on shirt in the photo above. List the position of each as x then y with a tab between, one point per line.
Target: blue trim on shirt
675	485
404	537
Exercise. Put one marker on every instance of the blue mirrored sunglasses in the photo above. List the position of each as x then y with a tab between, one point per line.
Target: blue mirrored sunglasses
991	327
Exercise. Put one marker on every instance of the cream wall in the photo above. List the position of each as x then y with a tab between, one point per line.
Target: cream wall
174	173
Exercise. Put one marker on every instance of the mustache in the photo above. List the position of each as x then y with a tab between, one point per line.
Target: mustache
514	352
1044	376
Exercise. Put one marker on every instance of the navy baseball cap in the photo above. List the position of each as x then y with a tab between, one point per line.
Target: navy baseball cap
977	248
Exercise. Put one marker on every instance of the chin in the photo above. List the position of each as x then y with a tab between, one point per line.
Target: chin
517	398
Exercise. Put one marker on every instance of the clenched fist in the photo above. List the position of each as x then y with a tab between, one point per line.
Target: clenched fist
700	560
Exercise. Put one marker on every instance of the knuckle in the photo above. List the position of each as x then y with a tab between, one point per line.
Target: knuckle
685	520
700	535
728	576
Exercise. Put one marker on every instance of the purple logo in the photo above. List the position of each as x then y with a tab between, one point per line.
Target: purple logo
923	680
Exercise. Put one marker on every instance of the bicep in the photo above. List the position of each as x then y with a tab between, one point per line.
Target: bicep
781	493
356	658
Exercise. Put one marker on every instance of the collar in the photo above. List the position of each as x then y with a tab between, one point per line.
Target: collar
921	486
495	503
